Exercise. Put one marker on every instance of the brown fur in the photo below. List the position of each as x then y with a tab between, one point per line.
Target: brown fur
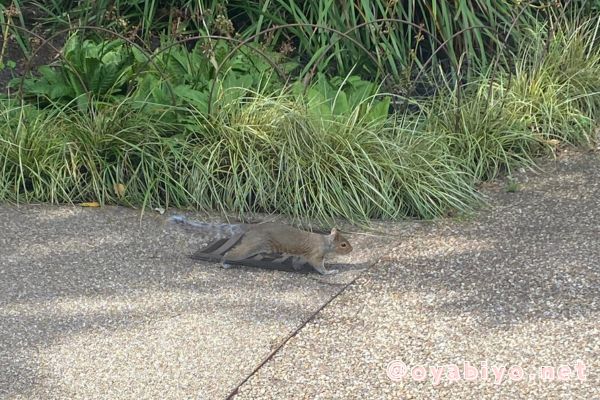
279	238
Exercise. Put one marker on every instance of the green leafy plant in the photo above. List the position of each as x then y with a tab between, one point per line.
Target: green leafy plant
555	88
399	34
259	154
192	76
89	68
320	148
482	132
508	117
328	98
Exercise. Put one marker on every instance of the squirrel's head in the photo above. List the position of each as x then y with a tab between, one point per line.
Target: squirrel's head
340	244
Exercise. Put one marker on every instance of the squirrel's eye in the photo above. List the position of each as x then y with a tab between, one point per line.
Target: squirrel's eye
343	244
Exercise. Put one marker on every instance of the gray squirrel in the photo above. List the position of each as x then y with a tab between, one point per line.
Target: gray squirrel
269	237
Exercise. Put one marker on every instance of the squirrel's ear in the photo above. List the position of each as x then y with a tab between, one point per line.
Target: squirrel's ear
334	232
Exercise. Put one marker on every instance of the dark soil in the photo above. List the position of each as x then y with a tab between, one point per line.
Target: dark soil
41	53
41	48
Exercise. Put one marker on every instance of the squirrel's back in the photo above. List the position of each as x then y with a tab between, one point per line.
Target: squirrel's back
287	239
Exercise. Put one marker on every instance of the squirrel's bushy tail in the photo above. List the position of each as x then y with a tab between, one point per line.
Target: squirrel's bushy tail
216	228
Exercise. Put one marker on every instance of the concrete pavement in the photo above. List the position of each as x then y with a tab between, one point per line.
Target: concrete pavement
98	303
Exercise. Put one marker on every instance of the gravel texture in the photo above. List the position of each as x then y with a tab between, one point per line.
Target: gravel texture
517	286
100	303
95	303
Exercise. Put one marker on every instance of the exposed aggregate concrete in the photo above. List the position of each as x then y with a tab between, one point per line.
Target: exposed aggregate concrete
98	303
516	286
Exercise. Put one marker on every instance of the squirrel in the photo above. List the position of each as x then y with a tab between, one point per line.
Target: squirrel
269	237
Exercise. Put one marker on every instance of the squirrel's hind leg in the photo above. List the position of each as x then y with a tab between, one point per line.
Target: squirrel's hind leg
245	249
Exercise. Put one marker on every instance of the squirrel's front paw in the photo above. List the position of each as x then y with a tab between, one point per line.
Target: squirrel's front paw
331	272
